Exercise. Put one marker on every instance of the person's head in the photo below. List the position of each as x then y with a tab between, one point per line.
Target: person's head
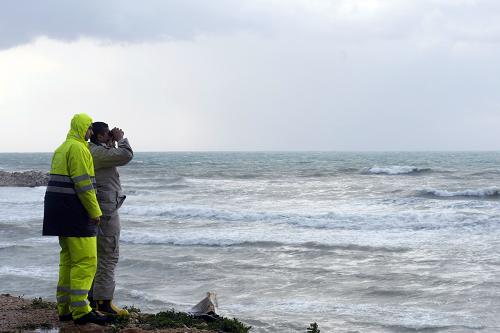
81	127
101	133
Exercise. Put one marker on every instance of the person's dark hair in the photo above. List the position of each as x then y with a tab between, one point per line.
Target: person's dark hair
98	128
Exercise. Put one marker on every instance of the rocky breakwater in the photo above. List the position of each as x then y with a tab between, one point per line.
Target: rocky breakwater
24	178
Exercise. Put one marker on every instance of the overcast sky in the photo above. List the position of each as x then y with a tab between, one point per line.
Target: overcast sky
254	74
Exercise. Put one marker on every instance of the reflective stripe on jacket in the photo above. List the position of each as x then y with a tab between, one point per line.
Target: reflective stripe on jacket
70	199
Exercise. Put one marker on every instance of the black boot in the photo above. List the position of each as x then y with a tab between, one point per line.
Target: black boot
92	317
92	303
66	317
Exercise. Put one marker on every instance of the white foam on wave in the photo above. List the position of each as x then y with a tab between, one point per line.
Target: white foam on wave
332	220
401	318
191	211
396	169
265	236
21	203
30	272
42	240
481	192
5	245
149	297
20	195
207	238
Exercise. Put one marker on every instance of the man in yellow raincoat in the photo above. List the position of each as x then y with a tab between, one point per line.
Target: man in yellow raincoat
71	211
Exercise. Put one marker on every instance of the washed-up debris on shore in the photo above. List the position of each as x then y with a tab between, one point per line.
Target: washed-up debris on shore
24	178
207	308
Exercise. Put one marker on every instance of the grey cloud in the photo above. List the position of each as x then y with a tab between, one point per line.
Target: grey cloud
22	21
117	20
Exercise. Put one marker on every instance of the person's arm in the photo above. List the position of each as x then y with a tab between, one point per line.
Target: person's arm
112	157
80	168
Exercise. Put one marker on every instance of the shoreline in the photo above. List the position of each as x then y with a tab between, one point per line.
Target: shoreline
18	314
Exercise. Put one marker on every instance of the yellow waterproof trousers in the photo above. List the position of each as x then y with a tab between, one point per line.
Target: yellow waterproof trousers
77	267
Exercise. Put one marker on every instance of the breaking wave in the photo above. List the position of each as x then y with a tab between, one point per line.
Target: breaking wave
488	192
396	170
405	220
150	238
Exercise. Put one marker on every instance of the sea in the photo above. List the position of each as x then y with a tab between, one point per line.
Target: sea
354	241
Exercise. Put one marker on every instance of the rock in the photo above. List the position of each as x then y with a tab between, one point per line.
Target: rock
24	178
88	328
132	330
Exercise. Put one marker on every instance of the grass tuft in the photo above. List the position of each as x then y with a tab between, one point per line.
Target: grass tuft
39	303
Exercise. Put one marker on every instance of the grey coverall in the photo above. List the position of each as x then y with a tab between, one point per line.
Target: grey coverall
110	198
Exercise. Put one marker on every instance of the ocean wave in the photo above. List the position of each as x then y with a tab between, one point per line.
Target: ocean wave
318	174
29	242
488	192
196	212
154	190
151	182
6	245
151	300
33	272
406	220
13	246
17	196
42	240
389	292
428	328
397	170
327	220
156	238
489	172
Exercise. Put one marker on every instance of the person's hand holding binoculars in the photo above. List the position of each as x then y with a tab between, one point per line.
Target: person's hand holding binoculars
117	134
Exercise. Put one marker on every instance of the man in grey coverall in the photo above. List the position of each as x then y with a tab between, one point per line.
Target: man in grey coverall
107	157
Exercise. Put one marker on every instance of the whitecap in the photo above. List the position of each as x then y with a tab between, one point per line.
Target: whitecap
45	273
396	170
329	220
481	192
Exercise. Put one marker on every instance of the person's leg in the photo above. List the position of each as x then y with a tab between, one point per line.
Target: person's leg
107	258
64	284
108	250
83	267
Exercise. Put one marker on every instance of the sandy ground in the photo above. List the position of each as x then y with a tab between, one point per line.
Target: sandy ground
26	315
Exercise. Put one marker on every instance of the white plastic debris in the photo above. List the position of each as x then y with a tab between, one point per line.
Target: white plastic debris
208	305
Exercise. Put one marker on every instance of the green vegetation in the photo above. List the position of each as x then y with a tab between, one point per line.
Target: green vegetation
169	318
172	319
229	325
313	328
39	303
